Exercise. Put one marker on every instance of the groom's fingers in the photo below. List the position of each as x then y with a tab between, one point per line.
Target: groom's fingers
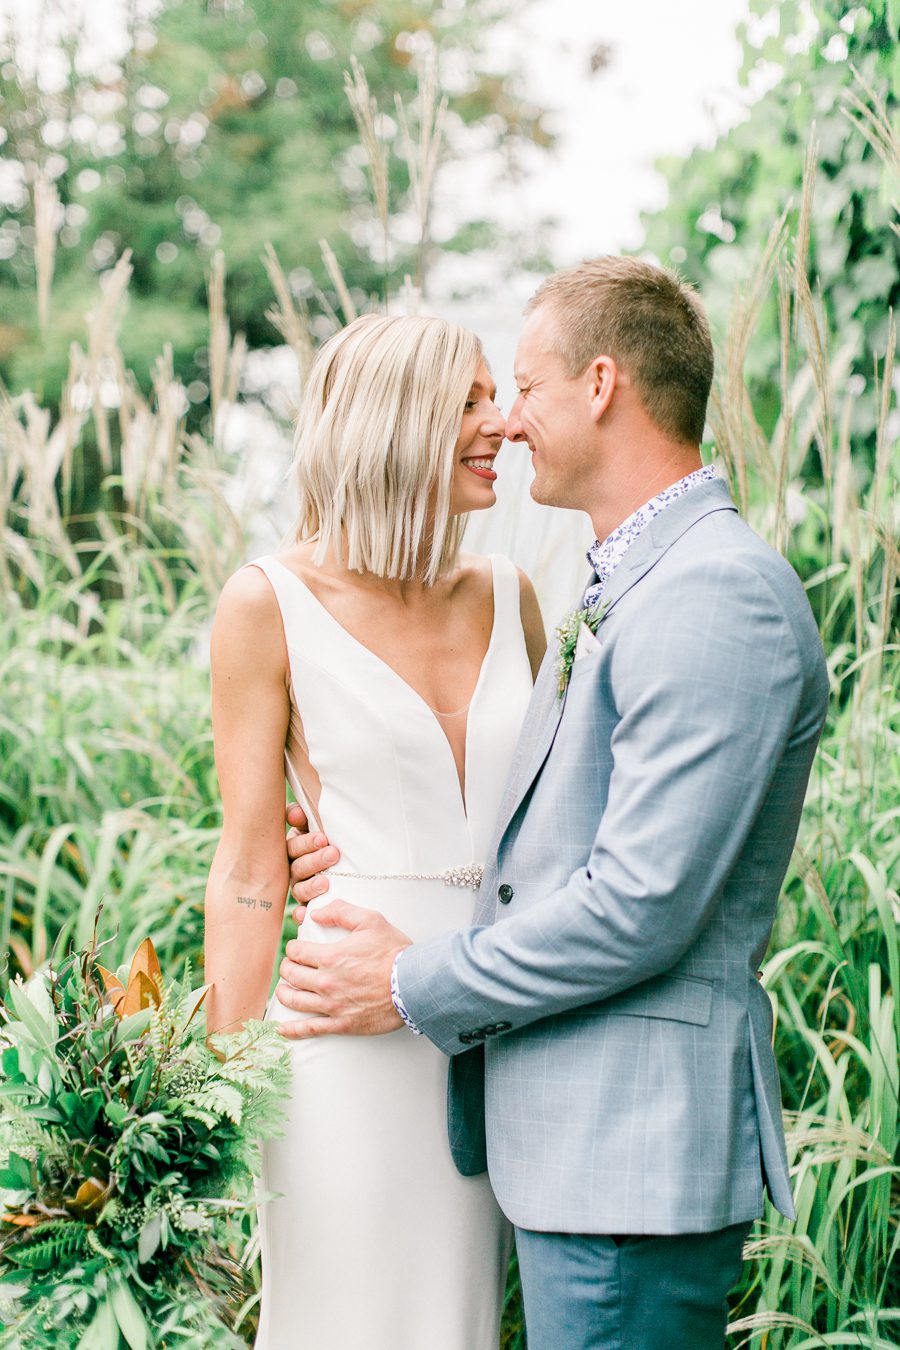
304	1029
341	914
296	817
300	968
310	854
300	1000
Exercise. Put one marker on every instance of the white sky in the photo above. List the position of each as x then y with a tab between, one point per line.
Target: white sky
670	85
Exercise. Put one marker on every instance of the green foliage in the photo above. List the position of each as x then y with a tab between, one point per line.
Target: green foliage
723	200
128	1144
567	640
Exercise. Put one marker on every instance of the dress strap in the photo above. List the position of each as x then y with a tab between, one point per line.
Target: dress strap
301	613
507	597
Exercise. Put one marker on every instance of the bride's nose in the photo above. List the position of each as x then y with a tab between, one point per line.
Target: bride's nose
494	426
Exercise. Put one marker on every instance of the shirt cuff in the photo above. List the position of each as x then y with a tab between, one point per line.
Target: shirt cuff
398	1001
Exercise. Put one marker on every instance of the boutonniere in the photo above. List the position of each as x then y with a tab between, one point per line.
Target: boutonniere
567	635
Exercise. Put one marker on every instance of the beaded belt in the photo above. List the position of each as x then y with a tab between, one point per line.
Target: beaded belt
470	875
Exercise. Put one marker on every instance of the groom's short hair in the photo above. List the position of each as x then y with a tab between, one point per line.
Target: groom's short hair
650	321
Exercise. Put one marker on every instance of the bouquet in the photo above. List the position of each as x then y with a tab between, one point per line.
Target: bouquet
124	1137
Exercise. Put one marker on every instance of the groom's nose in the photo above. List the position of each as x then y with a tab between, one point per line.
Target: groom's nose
514	431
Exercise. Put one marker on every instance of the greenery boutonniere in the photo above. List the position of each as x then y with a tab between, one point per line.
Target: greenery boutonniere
567	634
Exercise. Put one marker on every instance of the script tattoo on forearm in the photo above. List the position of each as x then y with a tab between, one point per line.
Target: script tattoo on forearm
251	901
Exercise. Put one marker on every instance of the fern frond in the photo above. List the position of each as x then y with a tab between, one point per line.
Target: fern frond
57	1243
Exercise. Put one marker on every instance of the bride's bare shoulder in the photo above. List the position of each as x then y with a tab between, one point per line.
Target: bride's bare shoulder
248	613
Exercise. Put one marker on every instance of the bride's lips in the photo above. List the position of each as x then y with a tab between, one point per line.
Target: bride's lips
480	466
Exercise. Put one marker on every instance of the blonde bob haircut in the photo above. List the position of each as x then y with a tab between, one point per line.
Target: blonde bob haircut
374	448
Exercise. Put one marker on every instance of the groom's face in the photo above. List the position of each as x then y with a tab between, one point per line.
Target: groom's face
551	415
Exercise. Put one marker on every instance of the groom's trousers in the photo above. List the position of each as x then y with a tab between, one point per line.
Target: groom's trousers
588	1292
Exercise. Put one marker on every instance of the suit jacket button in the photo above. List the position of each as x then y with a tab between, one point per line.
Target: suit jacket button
505	894
467	1038
502	1026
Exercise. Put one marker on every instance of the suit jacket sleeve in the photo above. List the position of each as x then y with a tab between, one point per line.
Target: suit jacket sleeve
708	690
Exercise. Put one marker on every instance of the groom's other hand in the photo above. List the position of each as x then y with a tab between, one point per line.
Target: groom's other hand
344	988
309	855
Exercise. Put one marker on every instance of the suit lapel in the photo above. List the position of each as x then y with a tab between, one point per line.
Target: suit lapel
538	731
546	709
662	532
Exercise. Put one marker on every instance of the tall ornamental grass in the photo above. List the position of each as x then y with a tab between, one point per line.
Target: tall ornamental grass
833	970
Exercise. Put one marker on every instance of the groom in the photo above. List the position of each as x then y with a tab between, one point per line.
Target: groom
610	1043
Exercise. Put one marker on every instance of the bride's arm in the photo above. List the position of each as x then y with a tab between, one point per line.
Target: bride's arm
248	881
532	623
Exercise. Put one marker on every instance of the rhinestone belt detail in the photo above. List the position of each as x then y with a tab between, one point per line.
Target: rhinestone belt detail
470	875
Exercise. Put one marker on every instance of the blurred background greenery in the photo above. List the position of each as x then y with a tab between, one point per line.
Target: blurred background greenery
160	240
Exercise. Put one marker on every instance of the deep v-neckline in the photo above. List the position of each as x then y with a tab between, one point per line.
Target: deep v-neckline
462	786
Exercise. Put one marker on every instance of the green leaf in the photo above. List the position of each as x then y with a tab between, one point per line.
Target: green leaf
148	1241
16	1175
192	1004
128	1315
132	1028
143	1083
28	1014
102	1333
116	1112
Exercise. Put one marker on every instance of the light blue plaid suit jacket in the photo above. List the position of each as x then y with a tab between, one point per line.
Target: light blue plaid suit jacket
624	1079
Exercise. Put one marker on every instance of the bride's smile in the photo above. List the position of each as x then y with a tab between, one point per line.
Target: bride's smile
481	435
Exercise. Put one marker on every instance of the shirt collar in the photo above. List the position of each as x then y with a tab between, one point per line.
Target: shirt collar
605	556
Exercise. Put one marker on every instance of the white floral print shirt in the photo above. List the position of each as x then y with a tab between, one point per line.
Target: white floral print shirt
605	557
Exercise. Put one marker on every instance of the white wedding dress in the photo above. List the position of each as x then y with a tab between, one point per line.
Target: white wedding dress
374	1241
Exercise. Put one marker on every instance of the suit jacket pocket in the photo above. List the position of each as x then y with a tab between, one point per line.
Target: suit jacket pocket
677	998
585	664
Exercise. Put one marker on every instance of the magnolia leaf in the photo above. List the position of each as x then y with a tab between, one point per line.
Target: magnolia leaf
141	993
145	960
114	987
128	1315
89	1196
22	1220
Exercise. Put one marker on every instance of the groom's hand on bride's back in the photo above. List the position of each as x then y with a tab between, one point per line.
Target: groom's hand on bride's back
309	854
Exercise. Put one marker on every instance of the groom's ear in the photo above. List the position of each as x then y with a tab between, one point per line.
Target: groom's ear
602	378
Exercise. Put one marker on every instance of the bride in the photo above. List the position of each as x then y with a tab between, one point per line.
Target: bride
371	661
